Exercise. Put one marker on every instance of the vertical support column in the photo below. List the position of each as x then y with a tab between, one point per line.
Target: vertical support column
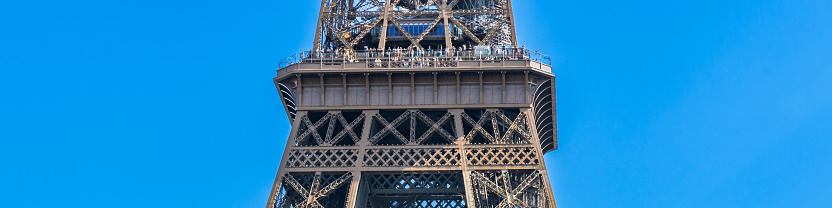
316	44
323	90
290	144
365	132
460	143
510	12
389	88
385	17
367	86
481	93
504	85
412	89
363	194
357	193
435	90
526	87
458	96
345	89
445	10
354	193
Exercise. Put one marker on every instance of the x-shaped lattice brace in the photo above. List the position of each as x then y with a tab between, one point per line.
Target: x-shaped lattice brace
390	127
495	117
376	12
434	126
315	192
333	13
328	139
445	9
510	196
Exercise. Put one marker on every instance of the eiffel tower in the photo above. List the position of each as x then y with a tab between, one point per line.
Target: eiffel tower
416	104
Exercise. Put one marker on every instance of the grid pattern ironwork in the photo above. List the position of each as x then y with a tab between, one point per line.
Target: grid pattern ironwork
502	156
310	158
412	157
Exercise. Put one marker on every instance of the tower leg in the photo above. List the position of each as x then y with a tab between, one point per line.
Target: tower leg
355	196
547	186
289	144
469	191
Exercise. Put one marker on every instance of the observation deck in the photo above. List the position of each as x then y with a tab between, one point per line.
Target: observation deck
477	59
487	77
416	103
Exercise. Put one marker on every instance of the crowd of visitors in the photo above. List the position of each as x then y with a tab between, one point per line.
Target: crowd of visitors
414	56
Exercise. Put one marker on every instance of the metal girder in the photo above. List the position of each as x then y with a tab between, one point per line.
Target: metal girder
498	120
490	168
434	127
332	119
515	125
508	192
348	128
390	127
313	129
465	30
315	192
494	30
344	24
406	34
427	31
417	168
412	139
477	127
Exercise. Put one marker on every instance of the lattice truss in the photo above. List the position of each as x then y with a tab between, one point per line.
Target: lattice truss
381	183
502	156
315	190
416	190
352	24
411	157
503	189
416	201
309	158
423	128
495	127
330	129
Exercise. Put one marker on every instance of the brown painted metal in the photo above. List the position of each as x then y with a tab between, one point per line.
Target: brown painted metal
348	25
480	143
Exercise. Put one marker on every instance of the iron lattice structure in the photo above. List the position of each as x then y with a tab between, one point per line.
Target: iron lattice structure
412	127
386	24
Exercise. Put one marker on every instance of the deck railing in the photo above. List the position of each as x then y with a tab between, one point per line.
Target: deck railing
403	58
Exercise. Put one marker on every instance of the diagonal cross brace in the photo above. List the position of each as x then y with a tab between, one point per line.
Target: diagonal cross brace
314	193
390	127
313	129
510	196
514	127
477	127
348	129
434	127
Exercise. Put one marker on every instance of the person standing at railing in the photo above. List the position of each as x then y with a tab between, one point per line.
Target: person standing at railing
523	52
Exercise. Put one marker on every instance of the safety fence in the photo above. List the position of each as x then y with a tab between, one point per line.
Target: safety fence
414	58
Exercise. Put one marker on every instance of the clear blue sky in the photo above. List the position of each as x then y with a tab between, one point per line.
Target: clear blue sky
171	104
